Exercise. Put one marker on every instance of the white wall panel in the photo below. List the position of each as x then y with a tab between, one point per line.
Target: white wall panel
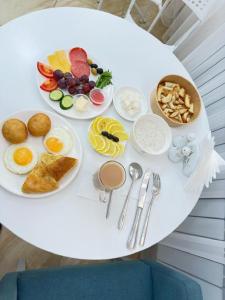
206	227
212	60
199	246
212	84
211	73
209	208
209	291
201	268
214	95
215	108
206	49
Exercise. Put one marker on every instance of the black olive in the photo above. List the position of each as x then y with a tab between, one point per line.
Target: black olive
99	70
94	66
105	133
115	139
110	136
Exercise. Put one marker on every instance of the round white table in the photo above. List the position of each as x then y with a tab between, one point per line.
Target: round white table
68	224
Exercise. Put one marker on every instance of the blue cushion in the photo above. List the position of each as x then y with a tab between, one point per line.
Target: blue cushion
114	281
8	287
171	285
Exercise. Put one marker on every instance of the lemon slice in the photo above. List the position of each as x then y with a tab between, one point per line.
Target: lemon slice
122	135
95	125
100	143
114	126
102	124
121	148
106	148
91	139
112	149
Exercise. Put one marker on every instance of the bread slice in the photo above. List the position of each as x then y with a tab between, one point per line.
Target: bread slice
48	158
61	166
45	176
39	180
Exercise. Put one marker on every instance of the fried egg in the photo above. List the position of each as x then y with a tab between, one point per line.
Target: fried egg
58	141
20	159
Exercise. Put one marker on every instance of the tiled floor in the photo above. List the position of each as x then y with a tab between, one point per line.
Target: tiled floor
13	248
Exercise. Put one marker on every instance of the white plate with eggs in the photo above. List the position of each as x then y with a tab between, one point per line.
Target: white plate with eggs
129	103
11	168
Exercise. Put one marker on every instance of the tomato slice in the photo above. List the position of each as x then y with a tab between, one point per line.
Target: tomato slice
45	70
49	85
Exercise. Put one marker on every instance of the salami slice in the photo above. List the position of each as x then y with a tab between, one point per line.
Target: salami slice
76	54
80	68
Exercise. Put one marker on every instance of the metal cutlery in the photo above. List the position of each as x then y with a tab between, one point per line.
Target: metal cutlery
136	172
156	187
132	239
109	204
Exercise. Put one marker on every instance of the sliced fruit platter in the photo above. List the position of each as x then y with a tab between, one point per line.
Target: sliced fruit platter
107	136
73	84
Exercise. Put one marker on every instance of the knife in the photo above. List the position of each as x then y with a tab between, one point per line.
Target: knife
132	240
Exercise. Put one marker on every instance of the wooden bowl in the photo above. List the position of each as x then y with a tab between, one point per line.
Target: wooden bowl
190	89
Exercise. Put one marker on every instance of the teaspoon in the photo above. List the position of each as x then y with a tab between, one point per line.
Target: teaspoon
136	172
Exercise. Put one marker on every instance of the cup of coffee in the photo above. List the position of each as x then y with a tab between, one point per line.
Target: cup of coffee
111	176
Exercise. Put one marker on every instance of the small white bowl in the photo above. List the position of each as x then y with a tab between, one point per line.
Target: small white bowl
120	110
77	96
156	124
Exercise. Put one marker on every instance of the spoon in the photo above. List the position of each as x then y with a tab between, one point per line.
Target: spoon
136	172
109	204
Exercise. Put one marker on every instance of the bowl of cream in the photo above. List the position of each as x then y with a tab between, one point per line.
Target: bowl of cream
151	134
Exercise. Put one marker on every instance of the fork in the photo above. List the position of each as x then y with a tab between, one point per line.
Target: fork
156	187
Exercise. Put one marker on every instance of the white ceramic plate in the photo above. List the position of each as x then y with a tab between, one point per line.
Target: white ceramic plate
13	182
92	112
122	112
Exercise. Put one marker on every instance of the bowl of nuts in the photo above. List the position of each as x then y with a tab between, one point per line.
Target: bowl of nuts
176	100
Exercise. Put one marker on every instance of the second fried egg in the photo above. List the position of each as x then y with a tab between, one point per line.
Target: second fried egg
58	141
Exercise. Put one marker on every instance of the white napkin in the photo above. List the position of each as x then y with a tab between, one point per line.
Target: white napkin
210	164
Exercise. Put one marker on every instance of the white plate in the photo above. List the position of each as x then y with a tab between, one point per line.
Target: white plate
122	112
92	112
13	182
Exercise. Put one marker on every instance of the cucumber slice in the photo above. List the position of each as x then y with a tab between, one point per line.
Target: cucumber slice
56	95
66	102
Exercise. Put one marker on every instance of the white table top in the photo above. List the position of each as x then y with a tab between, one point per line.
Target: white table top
65	223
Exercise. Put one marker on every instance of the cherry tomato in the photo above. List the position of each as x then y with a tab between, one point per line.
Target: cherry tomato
45	70
49	85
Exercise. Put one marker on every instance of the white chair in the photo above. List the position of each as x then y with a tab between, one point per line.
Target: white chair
99	2
134	4
131	5
200	9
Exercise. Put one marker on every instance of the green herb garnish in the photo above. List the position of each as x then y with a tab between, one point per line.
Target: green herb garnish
104	79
